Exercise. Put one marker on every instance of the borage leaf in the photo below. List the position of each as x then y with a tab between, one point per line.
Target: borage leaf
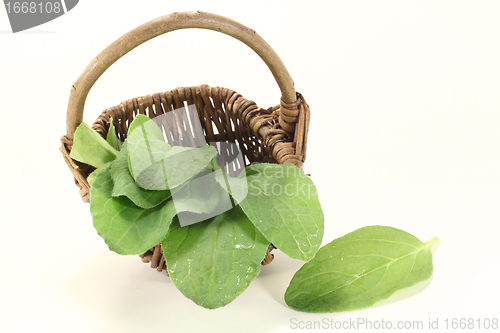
112	138
179	165
90	148
359	269
146	145
125	227
201	198
125	185
91	177
283	204
137	122
214	261
199	195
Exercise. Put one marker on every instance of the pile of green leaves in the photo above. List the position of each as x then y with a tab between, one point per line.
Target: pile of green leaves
142	186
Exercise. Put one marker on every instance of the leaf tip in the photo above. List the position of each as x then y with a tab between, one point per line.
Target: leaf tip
433	243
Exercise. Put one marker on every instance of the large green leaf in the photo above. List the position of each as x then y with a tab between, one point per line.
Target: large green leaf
201	198
283	204
112	138
90	148
179	165
213	262
137	122
146	145
124	184
359	269
91	177
125	227
200	195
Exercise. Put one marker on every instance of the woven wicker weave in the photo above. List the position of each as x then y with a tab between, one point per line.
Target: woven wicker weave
275	135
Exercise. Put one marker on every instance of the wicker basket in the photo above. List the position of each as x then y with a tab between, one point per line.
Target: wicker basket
275	135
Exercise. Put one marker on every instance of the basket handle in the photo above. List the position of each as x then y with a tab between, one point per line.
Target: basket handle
159	26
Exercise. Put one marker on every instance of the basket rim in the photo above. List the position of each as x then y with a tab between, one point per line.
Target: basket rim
283	150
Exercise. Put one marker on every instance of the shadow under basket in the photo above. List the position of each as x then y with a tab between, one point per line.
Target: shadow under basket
194	116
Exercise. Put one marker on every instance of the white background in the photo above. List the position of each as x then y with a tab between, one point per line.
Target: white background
405	102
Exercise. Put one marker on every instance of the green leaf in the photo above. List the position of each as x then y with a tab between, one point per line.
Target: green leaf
179	165
359	269
201	198
213	262
146	145
125	227
199	195
124	184
112	138
283	204
90	148
138	121
91	177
